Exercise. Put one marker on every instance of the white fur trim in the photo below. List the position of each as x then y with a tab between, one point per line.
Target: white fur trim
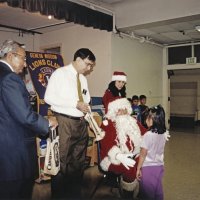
119	78
105	163
112	155
117	104
129	186
105	122
136	189
167	135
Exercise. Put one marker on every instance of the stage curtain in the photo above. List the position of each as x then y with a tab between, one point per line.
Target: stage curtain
63	9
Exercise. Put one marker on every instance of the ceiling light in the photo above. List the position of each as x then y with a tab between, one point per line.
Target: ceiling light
49	17
142	39
197	28
92	7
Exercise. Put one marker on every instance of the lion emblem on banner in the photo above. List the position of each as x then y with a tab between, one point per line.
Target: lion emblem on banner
44	75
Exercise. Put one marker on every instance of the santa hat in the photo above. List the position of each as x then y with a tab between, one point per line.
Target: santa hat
119	76
114	106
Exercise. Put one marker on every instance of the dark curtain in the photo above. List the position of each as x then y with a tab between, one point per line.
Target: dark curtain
63	9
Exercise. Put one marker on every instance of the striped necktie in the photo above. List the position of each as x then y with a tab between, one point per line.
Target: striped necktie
79	88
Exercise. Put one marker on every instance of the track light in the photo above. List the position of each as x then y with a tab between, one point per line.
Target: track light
142	39
92	7
183	32
197	28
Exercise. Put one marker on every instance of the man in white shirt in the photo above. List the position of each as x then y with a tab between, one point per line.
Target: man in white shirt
69	108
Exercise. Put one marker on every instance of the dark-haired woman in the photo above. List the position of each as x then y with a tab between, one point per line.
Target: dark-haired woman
116	89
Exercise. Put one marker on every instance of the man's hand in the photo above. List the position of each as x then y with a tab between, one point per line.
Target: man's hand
126	159
52	122
83	107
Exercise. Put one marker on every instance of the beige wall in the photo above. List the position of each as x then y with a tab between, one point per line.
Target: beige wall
143	65
142	62
31	41
75	37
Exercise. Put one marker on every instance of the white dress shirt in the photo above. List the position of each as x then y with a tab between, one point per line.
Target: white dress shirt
62	94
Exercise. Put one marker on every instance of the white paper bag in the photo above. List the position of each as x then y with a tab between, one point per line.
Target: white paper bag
52	158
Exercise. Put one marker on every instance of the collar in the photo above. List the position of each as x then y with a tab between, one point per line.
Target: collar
3	61
73	69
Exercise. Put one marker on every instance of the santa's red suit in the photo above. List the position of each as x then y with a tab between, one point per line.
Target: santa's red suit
122	135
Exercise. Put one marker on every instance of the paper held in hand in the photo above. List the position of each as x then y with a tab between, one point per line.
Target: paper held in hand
99	133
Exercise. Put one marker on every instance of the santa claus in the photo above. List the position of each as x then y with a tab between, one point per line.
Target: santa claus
121	145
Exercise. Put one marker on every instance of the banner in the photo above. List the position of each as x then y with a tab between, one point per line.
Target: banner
40	67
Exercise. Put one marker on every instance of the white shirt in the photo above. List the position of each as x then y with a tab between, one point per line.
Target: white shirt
62	93
155	144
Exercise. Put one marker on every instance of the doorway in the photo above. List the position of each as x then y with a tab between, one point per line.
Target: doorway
184	98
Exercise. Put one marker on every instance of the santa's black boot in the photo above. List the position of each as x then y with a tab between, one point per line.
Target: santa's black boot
129	190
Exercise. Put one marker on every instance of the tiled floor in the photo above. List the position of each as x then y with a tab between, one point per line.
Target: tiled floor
182	171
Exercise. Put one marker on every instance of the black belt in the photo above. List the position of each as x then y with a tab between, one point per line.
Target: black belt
69	116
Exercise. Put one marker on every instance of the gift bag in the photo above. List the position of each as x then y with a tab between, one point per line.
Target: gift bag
52	158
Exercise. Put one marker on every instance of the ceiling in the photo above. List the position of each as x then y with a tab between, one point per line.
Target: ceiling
22	19
168	33
175	31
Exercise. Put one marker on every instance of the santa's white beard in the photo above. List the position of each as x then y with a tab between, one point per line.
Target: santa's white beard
126	126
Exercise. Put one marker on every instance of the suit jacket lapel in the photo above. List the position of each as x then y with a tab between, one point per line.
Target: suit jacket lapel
4	67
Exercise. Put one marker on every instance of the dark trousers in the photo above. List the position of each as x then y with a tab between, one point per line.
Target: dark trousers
73	145
18	189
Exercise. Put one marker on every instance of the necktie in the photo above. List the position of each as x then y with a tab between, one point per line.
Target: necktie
79	88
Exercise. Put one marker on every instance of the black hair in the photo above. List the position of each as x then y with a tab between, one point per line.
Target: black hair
142	97
113	89
84	53
129	99
157	114
135	97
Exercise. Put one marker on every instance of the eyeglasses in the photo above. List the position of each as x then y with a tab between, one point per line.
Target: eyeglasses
22	56
89	64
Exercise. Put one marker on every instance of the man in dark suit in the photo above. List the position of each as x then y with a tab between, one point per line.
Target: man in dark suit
19	125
